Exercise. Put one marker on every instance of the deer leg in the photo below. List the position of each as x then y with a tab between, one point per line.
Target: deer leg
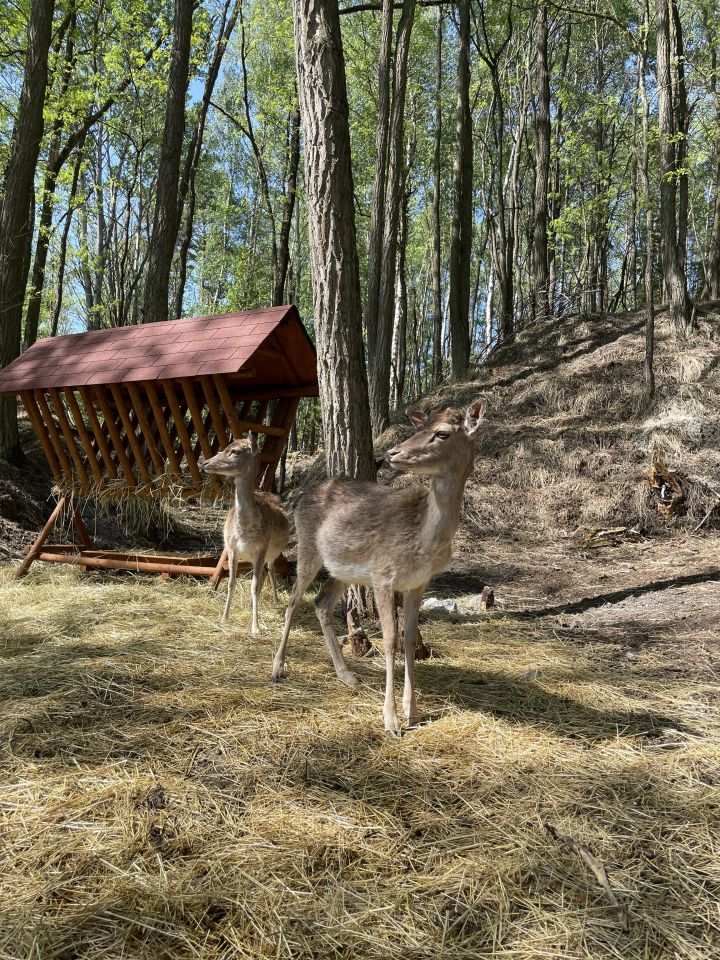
307	570
257	582
325	602
411	607
385	599
272	580
232	568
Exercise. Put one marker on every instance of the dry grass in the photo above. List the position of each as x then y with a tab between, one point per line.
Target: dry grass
161	799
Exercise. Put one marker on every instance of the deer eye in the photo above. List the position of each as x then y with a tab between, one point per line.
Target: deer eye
441	435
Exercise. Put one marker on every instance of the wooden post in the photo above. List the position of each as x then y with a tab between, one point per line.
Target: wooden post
81	528
41	538
219	570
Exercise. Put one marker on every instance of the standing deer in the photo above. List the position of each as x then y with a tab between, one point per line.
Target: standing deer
392	539
256	528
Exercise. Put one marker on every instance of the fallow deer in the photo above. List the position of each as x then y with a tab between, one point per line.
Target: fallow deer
392	539
256	528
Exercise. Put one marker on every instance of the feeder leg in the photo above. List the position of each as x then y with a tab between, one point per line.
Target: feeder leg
219	569
81	528
42	537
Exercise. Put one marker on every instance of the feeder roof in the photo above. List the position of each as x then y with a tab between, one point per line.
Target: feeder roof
282	353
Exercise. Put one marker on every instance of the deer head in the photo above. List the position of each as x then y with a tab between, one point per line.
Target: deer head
239	458
444	441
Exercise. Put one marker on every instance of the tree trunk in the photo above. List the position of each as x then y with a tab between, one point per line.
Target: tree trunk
377	210
283	255
461	238
60	282
166	220
186	190
437	248
379	355
675	280
333	247
541	296
712	279
16	200
644	170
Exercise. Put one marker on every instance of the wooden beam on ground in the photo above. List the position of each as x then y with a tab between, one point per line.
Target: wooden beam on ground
30	404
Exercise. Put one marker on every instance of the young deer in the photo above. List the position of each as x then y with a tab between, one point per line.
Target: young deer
256	528
394	540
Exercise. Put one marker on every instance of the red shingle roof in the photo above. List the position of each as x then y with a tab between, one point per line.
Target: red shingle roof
157	351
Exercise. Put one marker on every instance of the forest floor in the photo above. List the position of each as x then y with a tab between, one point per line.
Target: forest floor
161	798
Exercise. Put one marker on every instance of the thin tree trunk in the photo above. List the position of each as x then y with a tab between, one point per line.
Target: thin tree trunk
333	247
380	356
461	238
57	307
283	257
16	199
675	280
437	247
644	169
542	171
186	190
166	219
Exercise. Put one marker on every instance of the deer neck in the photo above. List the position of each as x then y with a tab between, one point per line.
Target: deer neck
442	512
244	496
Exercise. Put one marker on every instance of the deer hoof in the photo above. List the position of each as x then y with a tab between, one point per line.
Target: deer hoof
393	734
350	679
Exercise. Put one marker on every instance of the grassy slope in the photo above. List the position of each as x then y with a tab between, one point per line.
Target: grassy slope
161	799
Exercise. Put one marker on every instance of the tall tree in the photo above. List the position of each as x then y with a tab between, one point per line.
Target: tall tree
436	235
673	259
167	210
542	168
16	201
461	237
324	111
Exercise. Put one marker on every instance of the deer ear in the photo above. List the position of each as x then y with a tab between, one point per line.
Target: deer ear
417	418
474	416
253	443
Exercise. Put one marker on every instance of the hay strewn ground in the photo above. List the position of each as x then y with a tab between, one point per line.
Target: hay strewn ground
160	798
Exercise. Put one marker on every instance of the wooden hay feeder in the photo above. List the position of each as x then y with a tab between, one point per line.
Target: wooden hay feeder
128	412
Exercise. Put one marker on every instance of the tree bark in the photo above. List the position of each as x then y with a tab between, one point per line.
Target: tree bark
16	200
644	170
333	246
461	237
675	280
166	219
379	354
542	170
437	245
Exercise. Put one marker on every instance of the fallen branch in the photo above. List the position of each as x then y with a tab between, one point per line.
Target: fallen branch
596	867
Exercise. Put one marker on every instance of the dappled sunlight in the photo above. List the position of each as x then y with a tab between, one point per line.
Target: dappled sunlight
163	798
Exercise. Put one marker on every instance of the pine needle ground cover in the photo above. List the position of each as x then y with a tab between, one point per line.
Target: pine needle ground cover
160	798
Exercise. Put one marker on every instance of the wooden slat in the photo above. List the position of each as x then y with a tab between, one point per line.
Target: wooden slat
214	408
69	438
196	414
102	399
309	390
182	432
161	424
260	415
81	528
137	450
31	406
54	436
82	433
150	441
228	406
284	416
97	430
